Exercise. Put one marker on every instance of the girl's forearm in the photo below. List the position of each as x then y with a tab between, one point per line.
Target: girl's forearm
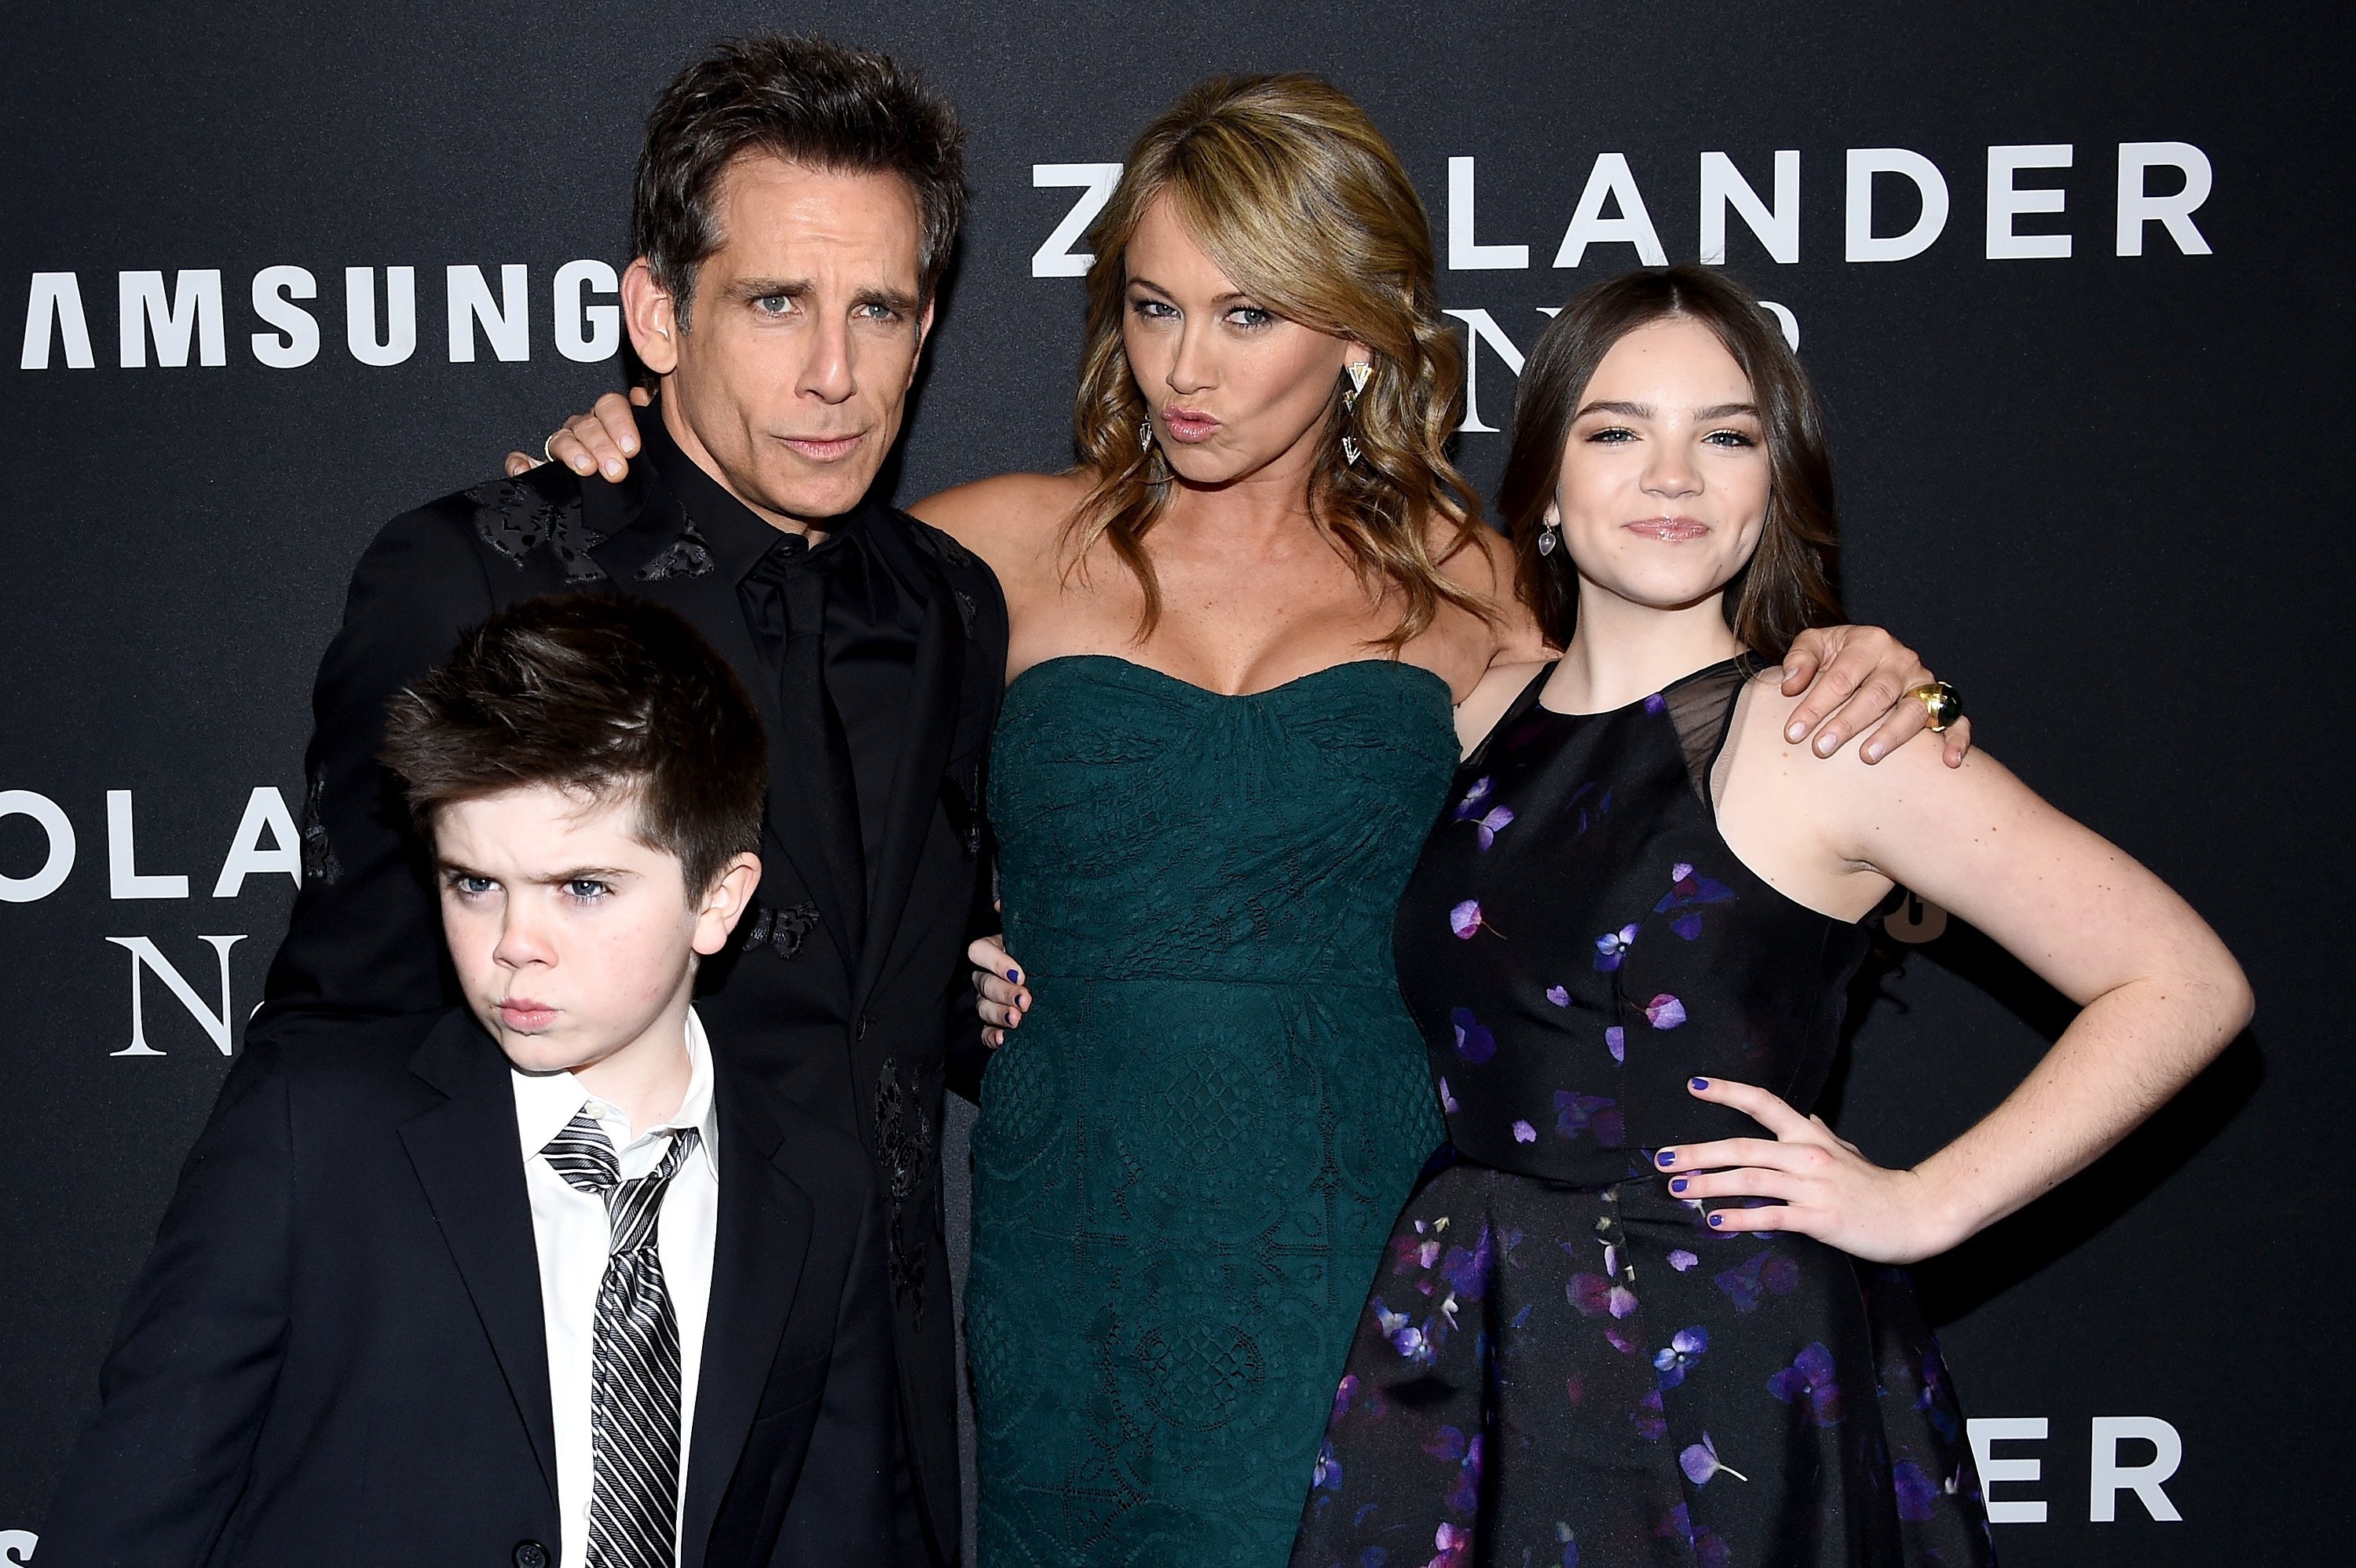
2126	1053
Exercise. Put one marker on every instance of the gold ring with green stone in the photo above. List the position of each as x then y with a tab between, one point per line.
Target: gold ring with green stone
1941	701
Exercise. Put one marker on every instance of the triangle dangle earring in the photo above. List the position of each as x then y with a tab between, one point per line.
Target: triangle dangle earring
1359	374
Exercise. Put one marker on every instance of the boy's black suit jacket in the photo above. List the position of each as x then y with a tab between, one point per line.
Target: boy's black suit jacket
336	1353
860	1038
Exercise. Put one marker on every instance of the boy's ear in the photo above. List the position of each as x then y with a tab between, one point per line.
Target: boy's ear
725	902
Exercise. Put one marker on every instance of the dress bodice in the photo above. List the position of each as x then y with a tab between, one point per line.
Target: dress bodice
1579	940
1149	827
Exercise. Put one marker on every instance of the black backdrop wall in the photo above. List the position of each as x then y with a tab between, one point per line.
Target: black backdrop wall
2086	353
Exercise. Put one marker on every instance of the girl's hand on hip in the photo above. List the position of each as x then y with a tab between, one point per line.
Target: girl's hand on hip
1819	1183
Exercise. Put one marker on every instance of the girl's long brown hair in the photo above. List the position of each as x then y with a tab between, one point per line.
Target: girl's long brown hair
1792	580
1293	193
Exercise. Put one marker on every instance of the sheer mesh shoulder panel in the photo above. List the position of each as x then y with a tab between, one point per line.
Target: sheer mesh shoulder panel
1701	708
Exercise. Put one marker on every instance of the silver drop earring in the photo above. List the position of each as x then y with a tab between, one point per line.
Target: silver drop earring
1548	537
1145	433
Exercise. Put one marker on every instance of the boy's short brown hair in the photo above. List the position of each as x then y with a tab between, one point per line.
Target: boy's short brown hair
599	694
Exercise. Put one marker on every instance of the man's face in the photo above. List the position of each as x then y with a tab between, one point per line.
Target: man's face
787	377
573	940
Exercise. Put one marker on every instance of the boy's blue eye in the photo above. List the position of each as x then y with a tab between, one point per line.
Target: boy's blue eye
585	889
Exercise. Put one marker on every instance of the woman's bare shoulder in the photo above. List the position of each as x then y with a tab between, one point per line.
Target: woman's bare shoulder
1016	509
1486	703
1483	562
1479	559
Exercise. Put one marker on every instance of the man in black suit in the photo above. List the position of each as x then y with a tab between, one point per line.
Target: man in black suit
540	1281
795	206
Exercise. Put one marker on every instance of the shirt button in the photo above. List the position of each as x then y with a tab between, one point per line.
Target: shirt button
530	1554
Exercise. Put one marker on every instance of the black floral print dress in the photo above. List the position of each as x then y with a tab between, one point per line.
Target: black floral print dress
1561	1363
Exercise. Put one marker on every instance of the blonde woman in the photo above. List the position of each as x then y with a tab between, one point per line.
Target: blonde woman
1238	629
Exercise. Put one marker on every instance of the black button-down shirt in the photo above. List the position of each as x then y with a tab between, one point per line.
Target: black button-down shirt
873	617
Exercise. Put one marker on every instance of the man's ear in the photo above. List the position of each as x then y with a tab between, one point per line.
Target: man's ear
924	336
653	317
724	903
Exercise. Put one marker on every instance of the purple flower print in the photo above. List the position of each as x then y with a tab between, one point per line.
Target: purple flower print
1702	1464
1620	1341
1665	1011
1810	1377
1410	1254
1486	830
1464	919
1474	1043
1615	1041
1935	1400
1682	1260
1654	704
1465	1271
1651	1421
1327	1475
1525	1133
1577	1113
1613	946
1687	893
1594	1295
1768	1272
1448	1101
1559	996
1342	1393
1569	1546
1710	1550
1684	1349
1465	1453
1917	1492
1411	1342
1474	798
1455	1544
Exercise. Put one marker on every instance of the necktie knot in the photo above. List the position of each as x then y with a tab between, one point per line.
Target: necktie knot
584	1156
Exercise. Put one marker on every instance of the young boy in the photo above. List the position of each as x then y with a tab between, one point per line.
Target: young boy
538	1282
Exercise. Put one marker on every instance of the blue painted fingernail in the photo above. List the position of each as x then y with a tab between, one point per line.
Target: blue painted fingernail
1717	1219
1678	1185
1699	1083
1016	976
1666	1158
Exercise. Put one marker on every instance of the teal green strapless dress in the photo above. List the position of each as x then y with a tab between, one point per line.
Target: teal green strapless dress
1190	1155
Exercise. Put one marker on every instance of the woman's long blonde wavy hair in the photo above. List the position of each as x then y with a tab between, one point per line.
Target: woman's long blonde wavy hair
1296	196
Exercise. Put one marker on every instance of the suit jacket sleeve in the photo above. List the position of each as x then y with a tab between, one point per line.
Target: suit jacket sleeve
183	1393
842	1504
365	936
966	1054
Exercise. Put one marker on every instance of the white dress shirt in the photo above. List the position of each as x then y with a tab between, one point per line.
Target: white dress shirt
571	1232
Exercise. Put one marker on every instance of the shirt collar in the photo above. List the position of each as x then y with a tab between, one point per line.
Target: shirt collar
736	535
547	1102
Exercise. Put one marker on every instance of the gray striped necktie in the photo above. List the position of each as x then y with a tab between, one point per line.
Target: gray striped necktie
635	1376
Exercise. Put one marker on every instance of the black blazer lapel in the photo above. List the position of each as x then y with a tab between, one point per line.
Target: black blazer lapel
707	598
469	1158
935	689
763	1233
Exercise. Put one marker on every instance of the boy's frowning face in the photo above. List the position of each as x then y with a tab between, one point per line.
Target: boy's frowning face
573	940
